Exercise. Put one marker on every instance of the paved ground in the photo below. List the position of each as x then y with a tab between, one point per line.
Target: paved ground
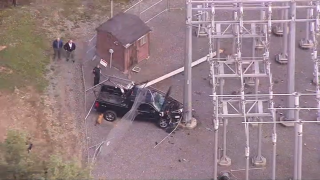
188	154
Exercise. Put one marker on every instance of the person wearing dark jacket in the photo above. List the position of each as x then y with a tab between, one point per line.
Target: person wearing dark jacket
96	71
70	47
57	47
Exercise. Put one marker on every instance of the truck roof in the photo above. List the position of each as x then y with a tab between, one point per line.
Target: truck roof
111	94
110	98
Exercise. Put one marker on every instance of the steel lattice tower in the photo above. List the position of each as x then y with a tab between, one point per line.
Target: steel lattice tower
252	108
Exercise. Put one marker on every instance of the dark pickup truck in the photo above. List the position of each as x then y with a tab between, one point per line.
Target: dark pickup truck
157	106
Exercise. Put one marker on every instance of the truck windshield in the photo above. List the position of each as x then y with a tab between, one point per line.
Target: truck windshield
154	98
158	100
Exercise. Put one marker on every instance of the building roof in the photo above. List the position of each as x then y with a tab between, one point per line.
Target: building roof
126	28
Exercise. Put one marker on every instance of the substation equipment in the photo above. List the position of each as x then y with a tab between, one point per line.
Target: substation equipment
254	108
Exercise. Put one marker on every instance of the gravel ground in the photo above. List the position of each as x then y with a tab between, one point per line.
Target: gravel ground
188	154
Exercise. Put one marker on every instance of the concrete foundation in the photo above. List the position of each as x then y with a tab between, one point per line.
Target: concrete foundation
225	161
286	122
277	30
252	119
201	32
259	44
282	58
191	125
250	82
306	44
259	161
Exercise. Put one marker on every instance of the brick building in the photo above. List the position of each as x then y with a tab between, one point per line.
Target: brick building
129	38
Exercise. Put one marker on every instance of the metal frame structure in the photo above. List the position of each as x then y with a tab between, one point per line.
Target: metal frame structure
252	108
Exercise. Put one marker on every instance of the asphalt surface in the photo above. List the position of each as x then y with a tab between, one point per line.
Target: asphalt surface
188	154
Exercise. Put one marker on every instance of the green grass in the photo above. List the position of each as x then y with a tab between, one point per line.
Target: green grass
26	49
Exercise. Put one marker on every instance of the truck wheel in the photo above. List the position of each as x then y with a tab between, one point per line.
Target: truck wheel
110	116
163	123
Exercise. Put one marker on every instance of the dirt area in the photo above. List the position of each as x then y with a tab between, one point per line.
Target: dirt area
52	114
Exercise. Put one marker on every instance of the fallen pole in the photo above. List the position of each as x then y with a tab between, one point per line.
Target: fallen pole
199	61
85	109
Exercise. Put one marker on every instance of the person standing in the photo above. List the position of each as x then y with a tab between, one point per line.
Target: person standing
57	47
96	71
70	47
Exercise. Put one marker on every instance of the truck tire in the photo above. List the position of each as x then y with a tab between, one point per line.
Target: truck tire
110	116
163	123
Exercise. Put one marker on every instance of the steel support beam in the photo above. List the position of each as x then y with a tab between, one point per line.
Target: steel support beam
291	65
298	140
255	21
251	7
243	1
187	100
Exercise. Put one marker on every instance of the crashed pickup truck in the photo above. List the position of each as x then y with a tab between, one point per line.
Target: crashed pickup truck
156	106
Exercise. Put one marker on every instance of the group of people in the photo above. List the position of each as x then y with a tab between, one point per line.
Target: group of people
69	47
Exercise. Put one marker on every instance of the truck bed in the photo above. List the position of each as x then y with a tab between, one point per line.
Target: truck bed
110	98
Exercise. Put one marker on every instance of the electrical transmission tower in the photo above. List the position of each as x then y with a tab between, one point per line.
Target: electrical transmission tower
249	69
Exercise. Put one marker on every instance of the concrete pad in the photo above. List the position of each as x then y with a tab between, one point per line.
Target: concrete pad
306	44
259	161
225	161
285	122
193	124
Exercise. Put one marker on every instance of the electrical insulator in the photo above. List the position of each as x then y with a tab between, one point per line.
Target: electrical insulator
299	129
274	137
270	10
296	101
266	54
247	152
271	95
239	54
269	26
314	55
216	124
214	95
235	15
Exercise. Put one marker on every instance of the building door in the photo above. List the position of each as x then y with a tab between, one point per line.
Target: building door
134	57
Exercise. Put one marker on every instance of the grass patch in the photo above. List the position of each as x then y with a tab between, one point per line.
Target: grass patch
70	8
26	49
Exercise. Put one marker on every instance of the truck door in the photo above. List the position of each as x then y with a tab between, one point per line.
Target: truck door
146	111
